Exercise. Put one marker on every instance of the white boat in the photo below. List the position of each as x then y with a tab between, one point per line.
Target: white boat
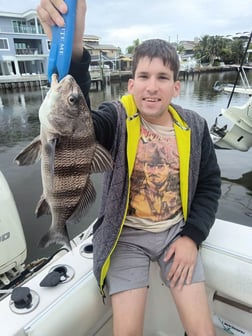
239	135
75	307
245	88
229	88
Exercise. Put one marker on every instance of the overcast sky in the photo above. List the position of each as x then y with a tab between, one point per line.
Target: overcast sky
119	22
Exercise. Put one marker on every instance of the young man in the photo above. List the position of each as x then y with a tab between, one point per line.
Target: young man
160	200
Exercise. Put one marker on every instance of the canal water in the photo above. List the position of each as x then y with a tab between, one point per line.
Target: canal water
19	124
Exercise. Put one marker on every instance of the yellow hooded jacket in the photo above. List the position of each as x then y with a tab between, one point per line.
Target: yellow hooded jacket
183	136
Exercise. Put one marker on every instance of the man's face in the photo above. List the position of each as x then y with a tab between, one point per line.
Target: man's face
156	173
153	88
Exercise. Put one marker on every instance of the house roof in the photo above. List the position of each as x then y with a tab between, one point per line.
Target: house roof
91	37
188	44
26	14
101	46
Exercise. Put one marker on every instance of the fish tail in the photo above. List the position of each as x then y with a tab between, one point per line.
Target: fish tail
55	237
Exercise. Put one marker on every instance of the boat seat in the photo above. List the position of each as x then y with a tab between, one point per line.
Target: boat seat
227	258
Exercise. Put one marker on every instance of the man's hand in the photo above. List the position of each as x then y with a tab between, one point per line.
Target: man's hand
185	252
50	13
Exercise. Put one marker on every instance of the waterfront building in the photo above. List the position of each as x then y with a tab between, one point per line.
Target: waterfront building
24	47
102	54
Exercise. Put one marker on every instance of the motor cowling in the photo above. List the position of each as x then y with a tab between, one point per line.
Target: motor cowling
13	249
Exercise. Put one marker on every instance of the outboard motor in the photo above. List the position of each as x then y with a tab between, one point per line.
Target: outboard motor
13	249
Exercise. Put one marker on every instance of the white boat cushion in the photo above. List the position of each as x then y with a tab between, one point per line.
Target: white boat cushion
227	258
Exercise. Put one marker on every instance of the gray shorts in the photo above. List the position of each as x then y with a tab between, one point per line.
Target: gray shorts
130	262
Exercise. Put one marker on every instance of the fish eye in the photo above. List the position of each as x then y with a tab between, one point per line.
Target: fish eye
72	99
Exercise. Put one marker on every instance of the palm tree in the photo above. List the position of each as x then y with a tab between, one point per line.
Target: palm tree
201	49
237	48
131	48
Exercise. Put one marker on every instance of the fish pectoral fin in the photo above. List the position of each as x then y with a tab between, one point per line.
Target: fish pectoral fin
87	198
30	154
102	160
42	207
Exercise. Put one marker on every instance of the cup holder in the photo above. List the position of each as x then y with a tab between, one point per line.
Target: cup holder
86	250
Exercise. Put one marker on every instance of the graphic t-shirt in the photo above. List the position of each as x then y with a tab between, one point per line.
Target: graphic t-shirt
155	203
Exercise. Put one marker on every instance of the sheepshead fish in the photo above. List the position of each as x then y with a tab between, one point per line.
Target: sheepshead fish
69	155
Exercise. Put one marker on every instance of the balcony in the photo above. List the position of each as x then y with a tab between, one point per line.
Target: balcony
27	51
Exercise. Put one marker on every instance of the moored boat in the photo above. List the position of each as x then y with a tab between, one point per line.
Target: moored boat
239	135
245	88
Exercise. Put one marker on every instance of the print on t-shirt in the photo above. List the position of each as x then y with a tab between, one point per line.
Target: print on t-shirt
155	179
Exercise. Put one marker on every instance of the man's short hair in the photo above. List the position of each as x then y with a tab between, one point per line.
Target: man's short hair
157	48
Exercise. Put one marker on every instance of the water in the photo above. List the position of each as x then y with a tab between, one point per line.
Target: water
19	125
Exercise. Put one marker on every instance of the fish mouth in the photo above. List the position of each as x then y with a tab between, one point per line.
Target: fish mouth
67	79
54	81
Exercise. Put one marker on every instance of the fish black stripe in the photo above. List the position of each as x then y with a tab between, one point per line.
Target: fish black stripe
76	143
73	170
68	193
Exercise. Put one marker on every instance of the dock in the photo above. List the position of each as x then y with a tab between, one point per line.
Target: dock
27	81
99	78
187	74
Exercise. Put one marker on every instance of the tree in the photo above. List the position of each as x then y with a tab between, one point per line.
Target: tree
210	48
217	47
131	49
237	49
180	48
201	49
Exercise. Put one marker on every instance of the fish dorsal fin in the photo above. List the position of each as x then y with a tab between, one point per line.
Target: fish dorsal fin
87	198
30	154
102	160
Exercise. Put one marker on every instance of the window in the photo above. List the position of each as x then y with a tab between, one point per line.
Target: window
20	26
4	45
49	44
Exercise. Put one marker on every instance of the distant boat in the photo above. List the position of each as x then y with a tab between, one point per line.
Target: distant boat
245	88
187	64
218	86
